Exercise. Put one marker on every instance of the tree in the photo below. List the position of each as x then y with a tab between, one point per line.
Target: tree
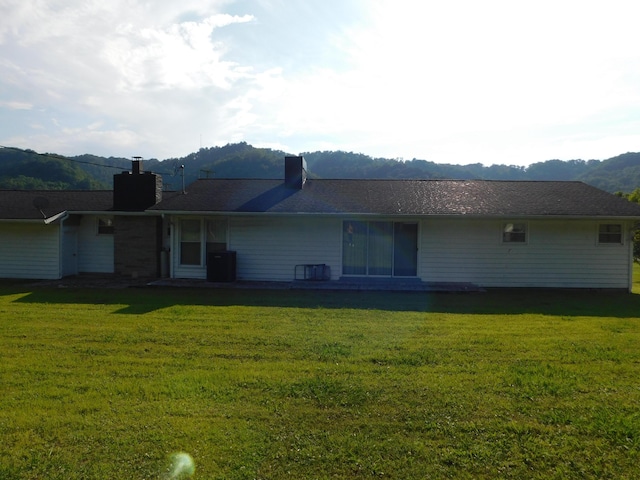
635	198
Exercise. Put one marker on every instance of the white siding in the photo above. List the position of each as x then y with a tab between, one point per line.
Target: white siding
95	252
269	248
29	251
557	254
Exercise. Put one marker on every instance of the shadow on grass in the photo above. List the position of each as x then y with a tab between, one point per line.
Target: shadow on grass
135	301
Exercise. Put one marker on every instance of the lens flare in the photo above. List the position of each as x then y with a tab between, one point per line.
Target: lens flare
182	466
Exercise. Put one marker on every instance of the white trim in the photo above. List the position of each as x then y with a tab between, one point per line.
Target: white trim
610	244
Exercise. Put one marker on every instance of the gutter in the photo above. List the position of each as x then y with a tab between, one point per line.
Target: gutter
459	216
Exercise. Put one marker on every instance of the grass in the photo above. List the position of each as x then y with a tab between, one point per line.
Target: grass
107	384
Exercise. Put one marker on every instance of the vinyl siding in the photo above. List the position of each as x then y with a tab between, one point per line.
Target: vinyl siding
29	251
558	254
95	252
270	248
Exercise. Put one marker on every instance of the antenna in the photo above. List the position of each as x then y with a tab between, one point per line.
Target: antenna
182	173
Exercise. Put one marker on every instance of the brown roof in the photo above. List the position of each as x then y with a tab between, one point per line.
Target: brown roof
45	204
401	197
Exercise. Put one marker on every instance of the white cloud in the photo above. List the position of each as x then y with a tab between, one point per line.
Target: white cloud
16	105
178	56
108	62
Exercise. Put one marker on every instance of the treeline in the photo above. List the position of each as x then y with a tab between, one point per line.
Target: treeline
26	169
634	197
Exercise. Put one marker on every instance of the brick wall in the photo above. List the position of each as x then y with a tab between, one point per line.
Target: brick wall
137	243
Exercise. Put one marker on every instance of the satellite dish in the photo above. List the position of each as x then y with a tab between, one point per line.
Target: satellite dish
41	203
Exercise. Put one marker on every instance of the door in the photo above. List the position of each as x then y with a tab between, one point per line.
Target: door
380	248
405	251
69	251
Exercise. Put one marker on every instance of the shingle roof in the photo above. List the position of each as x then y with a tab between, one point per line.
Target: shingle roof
357	197
401	197
44	204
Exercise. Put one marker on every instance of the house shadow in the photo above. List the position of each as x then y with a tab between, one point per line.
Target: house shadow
140	301
267	200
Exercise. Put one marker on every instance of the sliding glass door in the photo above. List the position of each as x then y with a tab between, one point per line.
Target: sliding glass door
405	249
379	248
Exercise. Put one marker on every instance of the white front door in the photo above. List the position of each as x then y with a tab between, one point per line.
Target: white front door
69	251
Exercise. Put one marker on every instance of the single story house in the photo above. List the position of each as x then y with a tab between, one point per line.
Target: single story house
51	234
489	233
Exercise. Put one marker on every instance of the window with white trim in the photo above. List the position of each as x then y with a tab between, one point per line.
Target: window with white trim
610	233
514	232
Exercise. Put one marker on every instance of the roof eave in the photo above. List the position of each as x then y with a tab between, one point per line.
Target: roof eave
474	216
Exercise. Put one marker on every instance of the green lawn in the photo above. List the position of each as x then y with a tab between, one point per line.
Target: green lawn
108	384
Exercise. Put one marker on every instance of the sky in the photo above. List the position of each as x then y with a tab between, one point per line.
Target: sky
456	81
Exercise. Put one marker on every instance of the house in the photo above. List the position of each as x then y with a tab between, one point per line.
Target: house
488	233
53	234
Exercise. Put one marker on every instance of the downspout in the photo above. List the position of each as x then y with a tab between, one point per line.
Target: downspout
632	234
172	248
167	247
62	219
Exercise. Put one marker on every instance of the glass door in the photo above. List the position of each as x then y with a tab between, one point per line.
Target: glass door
405	251
379	248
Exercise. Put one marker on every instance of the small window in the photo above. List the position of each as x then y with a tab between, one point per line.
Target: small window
610	233
514	233
105	226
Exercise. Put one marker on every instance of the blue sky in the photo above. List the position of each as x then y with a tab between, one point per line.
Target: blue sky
456	81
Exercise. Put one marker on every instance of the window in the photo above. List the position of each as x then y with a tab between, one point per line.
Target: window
190	242
610	233
105	226
216	235
514	233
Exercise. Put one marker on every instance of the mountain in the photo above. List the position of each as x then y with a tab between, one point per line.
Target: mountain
26	169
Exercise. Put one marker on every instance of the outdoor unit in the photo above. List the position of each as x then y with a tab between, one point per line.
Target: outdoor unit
221	266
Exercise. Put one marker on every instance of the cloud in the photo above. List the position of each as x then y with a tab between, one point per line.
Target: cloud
16	105
498	80
178	56
126	66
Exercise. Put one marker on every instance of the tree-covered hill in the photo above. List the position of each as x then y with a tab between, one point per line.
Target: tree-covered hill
26	169
618	174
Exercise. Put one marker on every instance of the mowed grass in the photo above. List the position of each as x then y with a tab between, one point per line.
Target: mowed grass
107	384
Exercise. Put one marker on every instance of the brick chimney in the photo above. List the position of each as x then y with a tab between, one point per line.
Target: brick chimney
136	190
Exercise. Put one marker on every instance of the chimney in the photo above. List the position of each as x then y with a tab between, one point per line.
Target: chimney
295	172
136	165
135	190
